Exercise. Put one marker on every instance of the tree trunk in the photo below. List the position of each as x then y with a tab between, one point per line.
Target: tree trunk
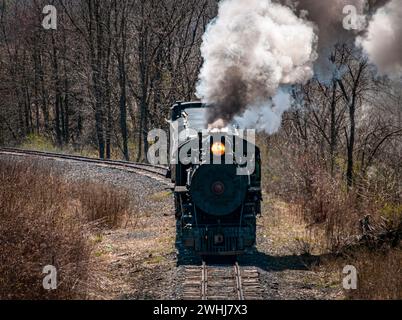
123	109
58	94
333	134
351	143
66	122
96	24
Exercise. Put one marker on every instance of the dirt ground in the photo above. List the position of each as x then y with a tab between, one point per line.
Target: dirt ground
140	260
289	258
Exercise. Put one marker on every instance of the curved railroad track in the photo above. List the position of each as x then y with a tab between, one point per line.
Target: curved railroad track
154	171
221	282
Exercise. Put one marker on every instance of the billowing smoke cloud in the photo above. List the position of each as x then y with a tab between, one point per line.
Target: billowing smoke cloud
334	24
383	40
267	117
254	50
375	4
251	50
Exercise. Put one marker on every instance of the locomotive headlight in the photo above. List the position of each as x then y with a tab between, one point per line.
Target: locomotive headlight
218	149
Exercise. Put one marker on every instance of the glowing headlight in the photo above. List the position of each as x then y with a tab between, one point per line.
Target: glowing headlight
218	149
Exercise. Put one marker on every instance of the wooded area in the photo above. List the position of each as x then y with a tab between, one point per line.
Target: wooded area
106	76
338	154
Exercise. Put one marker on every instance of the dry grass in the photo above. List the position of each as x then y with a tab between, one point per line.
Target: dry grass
106	207
44	143
46	221
361	225
329	207
360	232
378	273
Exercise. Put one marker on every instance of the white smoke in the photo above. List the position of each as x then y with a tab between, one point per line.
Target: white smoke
250	51
255	50
334	24
266	117
383	40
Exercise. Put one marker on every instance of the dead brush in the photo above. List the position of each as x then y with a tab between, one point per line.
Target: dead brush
328	206
44	220
379	274
103	206
38	229
362	227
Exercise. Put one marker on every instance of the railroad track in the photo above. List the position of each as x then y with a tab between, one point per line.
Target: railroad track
221	282
154	170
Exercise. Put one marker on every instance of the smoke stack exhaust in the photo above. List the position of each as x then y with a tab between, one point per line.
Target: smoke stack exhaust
254	51
250	50
383	39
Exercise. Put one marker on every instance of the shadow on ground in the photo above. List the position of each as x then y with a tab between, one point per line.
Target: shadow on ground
279	263
257	259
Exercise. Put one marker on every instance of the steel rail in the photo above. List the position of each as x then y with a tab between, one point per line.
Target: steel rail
238	281
155	169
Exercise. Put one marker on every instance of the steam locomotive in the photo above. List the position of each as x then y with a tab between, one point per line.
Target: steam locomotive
217	196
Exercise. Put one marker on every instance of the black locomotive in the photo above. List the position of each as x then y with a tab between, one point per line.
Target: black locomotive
216	207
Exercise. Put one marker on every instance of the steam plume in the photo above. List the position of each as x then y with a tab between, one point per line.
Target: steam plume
383	40
328	17
267	117
254	50
251	50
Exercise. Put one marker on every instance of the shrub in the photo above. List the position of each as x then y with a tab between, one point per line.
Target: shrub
45	220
